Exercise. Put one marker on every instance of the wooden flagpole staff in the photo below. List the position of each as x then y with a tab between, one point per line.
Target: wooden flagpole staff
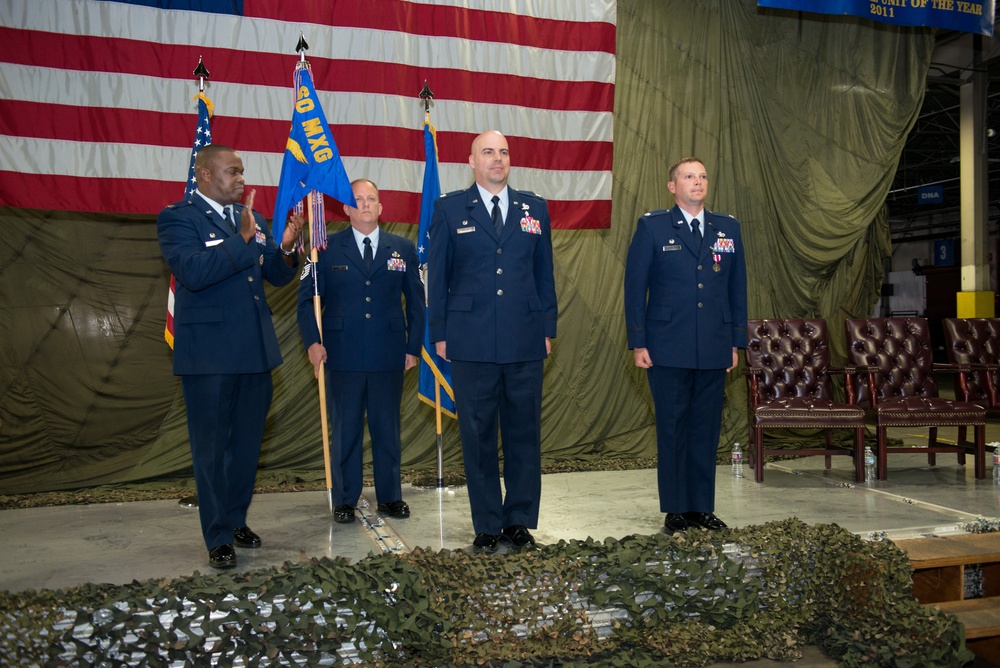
301	48
321	378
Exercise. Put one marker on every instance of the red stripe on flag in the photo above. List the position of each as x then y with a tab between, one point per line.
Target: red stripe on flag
90	124
101	54
431	20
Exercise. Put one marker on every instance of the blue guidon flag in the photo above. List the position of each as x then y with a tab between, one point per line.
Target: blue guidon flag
311	160
431	366
961	15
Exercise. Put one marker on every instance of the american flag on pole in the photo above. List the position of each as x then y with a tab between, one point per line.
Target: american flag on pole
202	138
94	114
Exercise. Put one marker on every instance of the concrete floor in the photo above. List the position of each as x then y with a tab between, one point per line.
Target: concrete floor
116	543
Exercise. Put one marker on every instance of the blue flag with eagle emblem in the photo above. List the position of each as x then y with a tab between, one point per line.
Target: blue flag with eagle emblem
311	161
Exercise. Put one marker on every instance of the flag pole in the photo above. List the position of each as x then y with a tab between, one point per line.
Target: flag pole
301	48
321	378
440	442
189	500
426	95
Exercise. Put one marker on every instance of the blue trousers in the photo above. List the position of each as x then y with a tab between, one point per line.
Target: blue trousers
225	415
350	396
688	405
486	393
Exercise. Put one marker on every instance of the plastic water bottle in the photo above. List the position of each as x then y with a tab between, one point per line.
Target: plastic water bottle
869	464
996	465
737	459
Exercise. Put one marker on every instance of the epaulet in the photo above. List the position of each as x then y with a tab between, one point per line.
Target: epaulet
656	212
531	194
178	205
452	193
725	215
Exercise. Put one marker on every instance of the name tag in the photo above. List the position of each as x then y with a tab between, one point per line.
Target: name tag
214	242
465	230
671	248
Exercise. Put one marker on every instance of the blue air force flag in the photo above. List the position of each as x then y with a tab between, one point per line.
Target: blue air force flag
431	366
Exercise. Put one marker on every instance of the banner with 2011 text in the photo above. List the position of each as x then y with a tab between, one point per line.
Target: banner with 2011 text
961	15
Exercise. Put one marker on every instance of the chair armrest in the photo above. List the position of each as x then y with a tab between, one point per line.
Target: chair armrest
753	386
965	367
851	370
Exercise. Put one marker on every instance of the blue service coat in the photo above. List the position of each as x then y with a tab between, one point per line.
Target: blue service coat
367	335
687	313
220	299
687	305
491	300
364	325
224	349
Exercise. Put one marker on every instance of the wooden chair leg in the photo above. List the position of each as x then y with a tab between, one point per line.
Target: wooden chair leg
932	442
758	447
859	454
829	446
963	435
882	464
980	456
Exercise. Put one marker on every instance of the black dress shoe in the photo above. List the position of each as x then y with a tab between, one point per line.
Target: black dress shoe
245	537
223	556
395	509
705	521
487	543
518	537
675	522
343	514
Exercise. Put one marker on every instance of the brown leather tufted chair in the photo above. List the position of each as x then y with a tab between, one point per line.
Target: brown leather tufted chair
789	386
900	390
974	350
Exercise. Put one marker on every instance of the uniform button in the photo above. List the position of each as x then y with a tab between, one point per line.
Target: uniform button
256	298
369	315
369	282
250	278
499	251
700	305
500	293
700	286
368	299
699	267
499	272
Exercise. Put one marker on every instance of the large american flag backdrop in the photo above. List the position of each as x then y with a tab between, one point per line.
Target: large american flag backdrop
96	108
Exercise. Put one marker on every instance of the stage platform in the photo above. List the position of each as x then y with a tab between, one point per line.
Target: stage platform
60	547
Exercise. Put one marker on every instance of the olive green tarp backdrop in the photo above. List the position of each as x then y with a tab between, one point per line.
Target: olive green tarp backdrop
799	118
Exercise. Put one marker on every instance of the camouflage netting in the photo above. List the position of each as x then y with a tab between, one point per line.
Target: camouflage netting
690	599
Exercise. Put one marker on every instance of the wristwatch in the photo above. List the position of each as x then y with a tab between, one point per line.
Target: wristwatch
286	253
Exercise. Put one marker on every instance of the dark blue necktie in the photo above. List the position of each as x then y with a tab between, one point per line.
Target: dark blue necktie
228	214
369	256
497	215
696	231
